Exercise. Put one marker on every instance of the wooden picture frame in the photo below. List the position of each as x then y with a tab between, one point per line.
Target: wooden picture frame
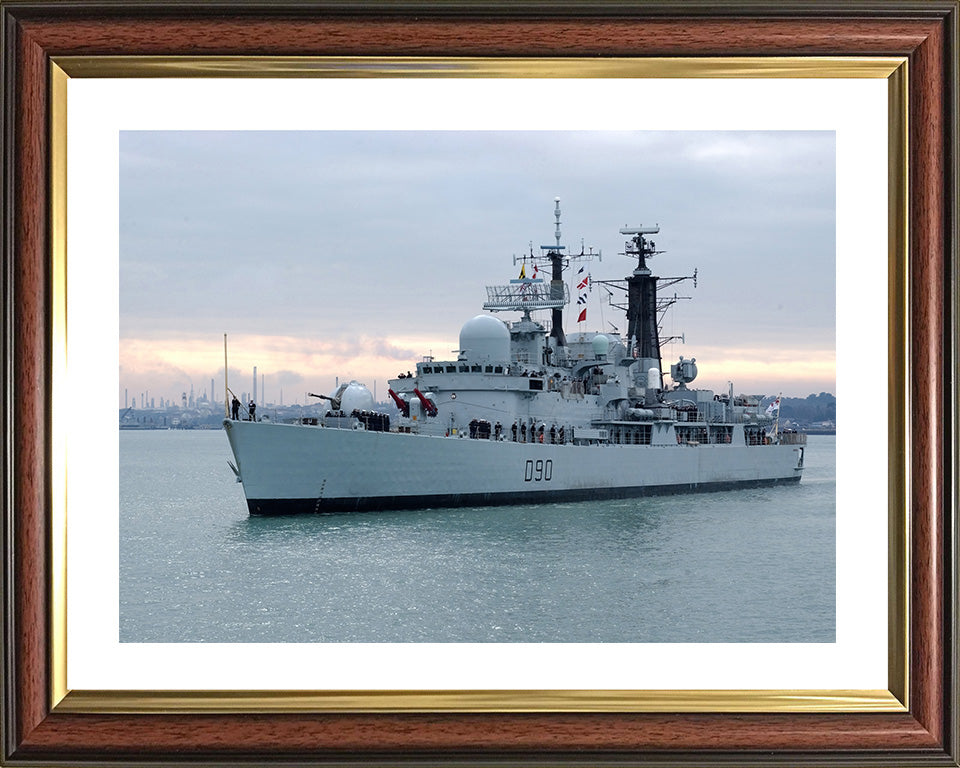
38	728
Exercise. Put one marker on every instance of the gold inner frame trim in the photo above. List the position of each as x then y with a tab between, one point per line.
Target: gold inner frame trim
898	383
893	69
232	702
425	66
59	405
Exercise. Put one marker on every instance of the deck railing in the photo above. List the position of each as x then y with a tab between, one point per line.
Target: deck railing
793	438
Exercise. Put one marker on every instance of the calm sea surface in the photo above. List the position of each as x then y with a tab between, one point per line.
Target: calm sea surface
733	566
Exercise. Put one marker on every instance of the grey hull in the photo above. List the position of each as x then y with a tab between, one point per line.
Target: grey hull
288	469
268	507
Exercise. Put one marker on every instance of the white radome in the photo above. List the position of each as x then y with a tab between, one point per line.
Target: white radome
356	397
601	345
485	338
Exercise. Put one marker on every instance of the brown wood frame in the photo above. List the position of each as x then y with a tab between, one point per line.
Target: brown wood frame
925	32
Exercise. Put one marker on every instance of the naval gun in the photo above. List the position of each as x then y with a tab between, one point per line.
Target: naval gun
348	397
334	401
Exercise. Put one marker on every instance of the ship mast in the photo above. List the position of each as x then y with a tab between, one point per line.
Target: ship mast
642	331
528	294
555	255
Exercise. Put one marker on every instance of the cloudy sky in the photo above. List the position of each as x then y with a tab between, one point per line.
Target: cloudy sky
353	254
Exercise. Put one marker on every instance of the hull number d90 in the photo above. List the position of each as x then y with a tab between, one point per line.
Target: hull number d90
539	470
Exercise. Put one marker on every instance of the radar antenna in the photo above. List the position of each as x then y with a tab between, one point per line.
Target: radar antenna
640	247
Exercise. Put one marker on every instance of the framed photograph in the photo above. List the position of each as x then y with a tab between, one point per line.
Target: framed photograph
123	128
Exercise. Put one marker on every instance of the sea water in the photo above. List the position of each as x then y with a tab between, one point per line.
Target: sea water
754	565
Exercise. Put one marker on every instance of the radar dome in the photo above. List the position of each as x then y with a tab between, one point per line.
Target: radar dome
485	338
355	397
601	345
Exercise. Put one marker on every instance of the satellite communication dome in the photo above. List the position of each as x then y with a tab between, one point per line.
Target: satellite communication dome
356	397
601	345
484	338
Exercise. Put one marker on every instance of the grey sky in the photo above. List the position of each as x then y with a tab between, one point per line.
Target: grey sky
374	244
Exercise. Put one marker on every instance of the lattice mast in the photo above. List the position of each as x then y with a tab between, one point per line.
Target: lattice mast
645	307
642	331
528	294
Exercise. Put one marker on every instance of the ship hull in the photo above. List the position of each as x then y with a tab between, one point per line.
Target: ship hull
288	469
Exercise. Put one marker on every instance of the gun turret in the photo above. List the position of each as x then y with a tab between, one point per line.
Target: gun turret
334	401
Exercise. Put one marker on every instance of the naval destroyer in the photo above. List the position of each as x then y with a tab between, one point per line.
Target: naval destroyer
525	413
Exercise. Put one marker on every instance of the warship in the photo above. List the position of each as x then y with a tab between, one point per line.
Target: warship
525	413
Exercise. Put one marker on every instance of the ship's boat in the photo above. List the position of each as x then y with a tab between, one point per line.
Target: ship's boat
525	413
